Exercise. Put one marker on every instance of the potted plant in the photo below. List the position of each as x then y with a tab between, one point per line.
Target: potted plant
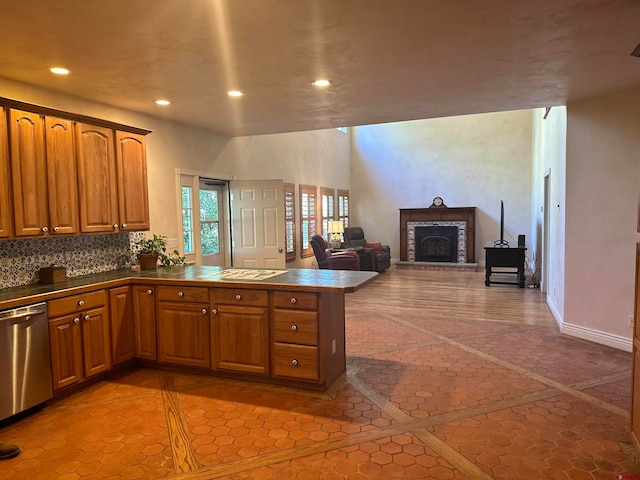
150	250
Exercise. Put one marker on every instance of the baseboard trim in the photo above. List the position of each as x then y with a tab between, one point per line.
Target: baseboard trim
554	312
596	336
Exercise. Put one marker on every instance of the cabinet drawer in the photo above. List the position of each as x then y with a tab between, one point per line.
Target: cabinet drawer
295	361
183	294
293	326
232	296
298	300
76	303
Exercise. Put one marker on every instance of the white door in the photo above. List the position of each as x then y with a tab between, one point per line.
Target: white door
257	212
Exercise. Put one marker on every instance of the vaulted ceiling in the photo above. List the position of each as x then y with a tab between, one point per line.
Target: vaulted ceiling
388	60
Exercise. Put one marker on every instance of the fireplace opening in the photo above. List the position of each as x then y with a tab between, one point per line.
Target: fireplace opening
435	243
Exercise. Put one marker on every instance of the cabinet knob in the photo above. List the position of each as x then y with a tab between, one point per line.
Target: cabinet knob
87	317
214	311
294	300
56	229
115	226
124	225
76	320
238	297
204	311
149	292
44	229
181	294
80	303
294	362
294	328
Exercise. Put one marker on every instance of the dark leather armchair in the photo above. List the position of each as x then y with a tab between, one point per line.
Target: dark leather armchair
370	259
348	260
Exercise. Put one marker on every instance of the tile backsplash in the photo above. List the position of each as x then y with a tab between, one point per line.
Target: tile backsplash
21	259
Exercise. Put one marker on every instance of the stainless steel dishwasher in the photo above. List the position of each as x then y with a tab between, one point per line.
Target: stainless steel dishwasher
25	362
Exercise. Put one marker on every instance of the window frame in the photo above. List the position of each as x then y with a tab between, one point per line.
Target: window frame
309	214
327	214
343	205
290	221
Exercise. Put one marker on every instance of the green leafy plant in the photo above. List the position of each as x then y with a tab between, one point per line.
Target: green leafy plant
157	246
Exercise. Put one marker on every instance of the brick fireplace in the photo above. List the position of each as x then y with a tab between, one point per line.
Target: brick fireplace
438	234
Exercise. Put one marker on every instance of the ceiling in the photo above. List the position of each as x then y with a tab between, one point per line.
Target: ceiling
388	60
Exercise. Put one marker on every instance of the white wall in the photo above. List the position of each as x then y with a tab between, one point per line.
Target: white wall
603	150
469	161
549	154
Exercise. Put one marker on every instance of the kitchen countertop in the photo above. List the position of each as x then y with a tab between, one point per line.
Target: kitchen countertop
345	281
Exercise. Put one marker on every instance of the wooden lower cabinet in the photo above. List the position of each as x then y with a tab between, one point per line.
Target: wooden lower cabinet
144	315
79	337
123	345
240	330
183	326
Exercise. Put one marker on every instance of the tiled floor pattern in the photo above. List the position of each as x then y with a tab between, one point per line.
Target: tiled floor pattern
437	392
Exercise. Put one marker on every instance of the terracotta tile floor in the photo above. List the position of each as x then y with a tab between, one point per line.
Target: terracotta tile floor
447	379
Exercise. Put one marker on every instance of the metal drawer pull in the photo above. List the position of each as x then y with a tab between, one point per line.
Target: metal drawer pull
214	311
181	294
293	300
87	317
238	297
76	320
294	327
115	225
294	362
124	225
81	303
204	311
149	292
56	229
44	229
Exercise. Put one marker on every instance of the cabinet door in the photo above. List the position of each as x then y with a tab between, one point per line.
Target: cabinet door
240	339
183	334
145	322
66	350
95	341
133	198
28	167
62	180
6	216
122	324
97	181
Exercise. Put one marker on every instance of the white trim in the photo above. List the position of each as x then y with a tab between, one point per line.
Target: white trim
603	338
554	311
197	173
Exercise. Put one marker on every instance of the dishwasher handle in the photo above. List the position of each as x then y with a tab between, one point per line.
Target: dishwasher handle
21	315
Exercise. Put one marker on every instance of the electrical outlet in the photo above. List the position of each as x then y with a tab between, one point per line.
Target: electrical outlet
333	346
172	243
630	321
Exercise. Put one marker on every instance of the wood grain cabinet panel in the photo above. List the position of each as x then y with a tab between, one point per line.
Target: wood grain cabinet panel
183	334
6	211
62	178
28	173
79	337
133	196
97	179
123	345
144	308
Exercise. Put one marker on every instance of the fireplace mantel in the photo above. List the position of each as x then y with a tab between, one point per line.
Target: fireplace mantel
437	214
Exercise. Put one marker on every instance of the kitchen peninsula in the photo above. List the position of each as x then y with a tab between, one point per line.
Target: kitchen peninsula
277	326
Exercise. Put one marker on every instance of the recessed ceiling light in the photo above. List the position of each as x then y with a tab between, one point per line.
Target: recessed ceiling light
59	71
234	93
321	83
163	102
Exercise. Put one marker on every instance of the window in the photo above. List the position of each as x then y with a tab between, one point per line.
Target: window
209	222
290	221
187	219
343	206
327	198
307	219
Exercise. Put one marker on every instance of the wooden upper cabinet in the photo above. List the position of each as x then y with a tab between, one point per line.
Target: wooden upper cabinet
133	197
97	180
6	215
61	176
28	168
